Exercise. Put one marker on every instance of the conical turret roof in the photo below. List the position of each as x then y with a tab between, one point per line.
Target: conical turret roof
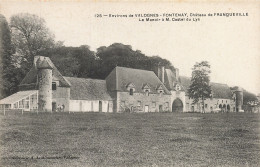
43	64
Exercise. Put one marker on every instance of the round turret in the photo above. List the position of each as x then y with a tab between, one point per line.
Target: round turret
239	99
45	85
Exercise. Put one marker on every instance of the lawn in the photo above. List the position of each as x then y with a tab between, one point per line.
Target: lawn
152	139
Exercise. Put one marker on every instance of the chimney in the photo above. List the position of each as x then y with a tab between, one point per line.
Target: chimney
162	68
160	73
177	73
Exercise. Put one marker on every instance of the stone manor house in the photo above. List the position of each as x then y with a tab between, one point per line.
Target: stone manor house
123	90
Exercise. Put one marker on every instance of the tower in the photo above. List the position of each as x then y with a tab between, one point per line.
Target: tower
239	99
45	85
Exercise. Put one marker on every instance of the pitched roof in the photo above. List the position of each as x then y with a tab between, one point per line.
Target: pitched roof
120	77
219	90
171	80
88	89
17	97
31	76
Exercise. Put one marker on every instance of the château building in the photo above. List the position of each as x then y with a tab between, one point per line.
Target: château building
123	90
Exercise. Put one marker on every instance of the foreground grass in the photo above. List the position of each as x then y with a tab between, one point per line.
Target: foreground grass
153	139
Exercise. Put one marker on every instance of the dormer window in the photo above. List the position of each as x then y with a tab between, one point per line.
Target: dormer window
161	93
211	96
160	89
146	88
131	88
178	87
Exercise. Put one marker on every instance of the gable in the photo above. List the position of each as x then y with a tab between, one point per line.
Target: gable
146	86
159	87
130	85
111	81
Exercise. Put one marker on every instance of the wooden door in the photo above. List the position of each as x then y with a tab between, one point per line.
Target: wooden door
100	106
146	108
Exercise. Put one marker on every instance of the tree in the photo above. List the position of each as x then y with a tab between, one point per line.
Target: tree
73	61
249	100
8	82
30	36
83	62
119	54
200	88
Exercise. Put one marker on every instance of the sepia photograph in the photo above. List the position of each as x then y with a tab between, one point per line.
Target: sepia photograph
129	83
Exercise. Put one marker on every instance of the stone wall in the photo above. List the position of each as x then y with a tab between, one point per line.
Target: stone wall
139	102
61	96
211	105
90	106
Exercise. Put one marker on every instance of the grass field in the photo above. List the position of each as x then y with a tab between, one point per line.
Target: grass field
153	139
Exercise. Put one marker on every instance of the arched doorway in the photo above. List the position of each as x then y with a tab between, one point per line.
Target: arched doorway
228	108
211	109
224	108
177	105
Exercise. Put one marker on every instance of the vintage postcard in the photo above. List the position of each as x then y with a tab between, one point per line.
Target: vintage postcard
127	83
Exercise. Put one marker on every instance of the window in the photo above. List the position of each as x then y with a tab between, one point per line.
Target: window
16	105
222	101
166	105
154	104
146	92
188	105
139	103
34	98
161	92
54	86
178	88
21	104
131	91
123	103
206	105
26	104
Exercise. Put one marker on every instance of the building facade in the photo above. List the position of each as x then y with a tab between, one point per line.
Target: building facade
134	90
44	89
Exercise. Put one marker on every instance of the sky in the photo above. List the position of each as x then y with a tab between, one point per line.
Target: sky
230	44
